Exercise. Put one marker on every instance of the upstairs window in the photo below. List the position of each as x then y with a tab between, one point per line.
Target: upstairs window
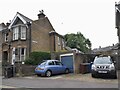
6	37
23	32
63	43
59	41
15	33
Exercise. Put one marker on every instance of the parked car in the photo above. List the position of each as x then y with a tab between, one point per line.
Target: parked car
103	65
50	67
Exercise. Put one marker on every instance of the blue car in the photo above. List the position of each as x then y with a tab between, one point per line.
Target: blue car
50	67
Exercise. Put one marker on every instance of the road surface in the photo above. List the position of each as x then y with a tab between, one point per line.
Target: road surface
56	82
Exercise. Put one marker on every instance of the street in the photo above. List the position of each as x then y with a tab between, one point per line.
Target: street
59	81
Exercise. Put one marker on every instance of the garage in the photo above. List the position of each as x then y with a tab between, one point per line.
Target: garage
68	60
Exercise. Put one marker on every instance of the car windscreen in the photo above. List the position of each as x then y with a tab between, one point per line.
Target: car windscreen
43	63
102	60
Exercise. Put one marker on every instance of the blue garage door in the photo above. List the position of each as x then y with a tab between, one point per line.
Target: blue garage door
68	61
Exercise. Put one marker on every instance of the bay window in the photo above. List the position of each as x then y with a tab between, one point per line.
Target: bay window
22	54
19	54
15	33
23	32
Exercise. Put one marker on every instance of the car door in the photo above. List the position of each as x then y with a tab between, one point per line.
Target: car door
59	67
51	66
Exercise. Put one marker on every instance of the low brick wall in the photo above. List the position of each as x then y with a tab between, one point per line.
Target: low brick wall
28	70
25	70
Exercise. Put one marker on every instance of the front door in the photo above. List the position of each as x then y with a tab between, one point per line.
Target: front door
5	57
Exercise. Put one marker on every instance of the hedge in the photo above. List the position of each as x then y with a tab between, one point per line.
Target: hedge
37	57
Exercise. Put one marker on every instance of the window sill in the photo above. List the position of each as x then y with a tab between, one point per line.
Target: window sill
19	39
23	39
16	40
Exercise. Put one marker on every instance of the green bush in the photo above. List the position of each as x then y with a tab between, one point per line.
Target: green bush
37	57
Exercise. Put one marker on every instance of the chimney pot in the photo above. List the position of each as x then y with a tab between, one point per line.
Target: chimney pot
41	14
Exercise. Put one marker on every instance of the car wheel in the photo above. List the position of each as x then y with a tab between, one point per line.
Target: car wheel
66	71
48	73
93	75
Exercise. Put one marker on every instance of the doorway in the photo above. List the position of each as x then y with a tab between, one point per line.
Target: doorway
5	57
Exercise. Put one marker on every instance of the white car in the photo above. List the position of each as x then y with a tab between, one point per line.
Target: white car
103	65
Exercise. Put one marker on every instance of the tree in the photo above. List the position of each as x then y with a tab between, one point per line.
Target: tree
78	41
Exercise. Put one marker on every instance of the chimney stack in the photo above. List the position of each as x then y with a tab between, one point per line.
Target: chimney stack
7	24
41	14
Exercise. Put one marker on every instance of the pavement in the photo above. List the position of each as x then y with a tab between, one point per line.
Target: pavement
80	77
71	80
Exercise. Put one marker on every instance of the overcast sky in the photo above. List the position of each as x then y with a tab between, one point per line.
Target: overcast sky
95	19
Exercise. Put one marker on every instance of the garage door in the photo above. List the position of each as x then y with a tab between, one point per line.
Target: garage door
68	61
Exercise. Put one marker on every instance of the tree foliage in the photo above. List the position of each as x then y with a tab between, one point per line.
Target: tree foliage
78	41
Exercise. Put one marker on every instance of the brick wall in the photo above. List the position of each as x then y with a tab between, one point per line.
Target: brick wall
52	43
78	58
40	35
24	70
0	46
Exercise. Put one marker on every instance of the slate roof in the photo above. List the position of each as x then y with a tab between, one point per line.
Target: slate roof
2	26
108	48
22	17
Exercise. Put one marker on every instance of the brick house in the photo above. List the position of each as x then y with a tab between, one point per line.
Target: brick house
117	14
2	26
24	35
109	50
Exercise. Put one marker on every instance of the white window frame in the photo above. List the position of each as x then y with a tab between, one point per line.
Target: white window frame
24	55
59	41
15	33
63	43
23	32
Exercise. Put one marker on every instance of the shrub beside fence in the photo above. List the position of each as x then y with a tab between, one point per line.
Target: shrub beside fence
37	57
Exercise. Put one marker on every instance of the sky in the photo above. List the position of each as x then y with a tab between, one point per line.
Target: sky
95	19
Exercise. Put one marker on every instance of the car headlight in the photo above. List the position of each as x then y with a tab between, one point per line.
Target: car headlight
112	67
93	67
